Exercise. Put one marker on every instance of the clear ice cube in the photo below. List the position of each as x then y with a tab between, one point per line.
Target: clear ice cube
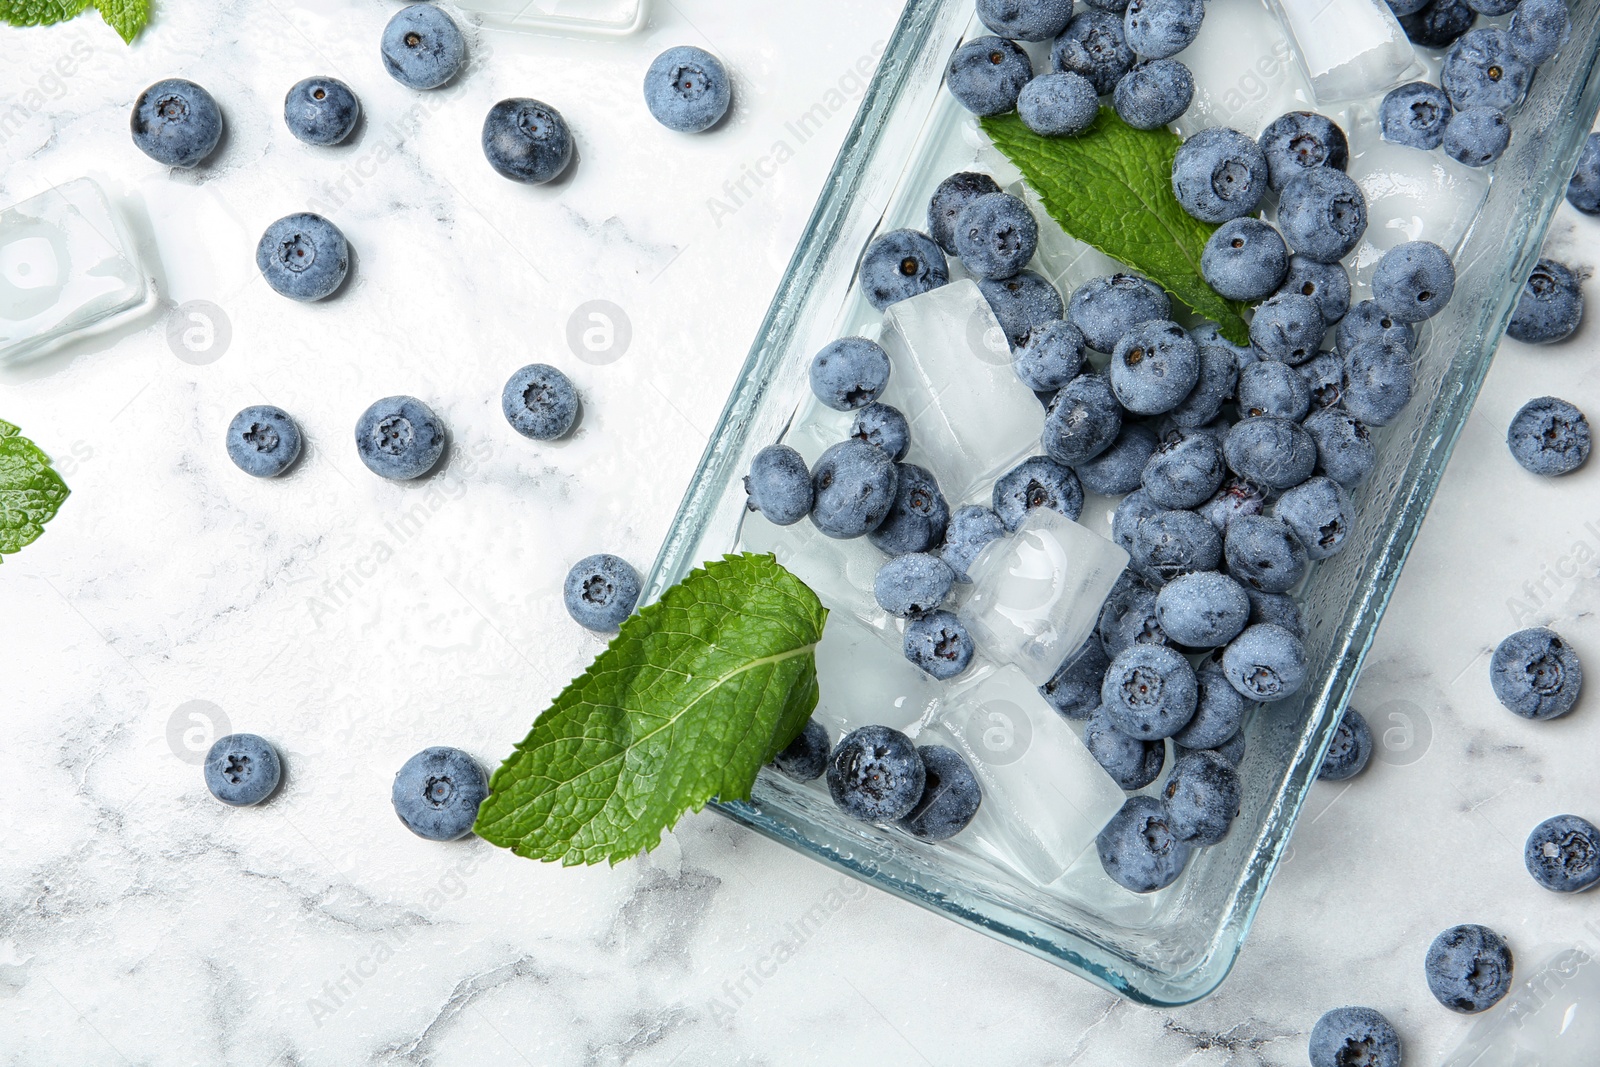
1412	195
67	269
1348	49
840	572
1245	74
1036	595
865	680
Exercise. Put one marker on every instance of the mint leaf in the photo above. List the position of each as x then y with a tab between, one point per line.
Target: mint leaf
127	17
30	490
1111	187
39	12
695	694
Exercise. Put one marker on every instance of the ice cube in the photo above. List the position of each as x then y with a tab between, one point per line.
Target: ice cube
66	270
1036	595
865	679
1548	1019
839	571
971	419
1412	195
1348	49
1061	257
1245	74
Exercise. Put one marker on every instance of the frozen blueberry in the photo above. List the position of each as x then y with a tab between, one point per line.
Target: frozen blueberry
970	529
687	89
938	643
1154	367
1438	23
1120	468
1345	451
996	236
1160	29
1583	189
399	437
1094	46
1184	470
1349	750
1468	968
422	47
1549	436
1477	136
263	441
1322	214
1218	712
1231	751
1345	1037
1300	141
1025	20
901	264
601	591
1264	554
1153	94
1219	379
303	257
526	140
987	73
1318	511
1536	674
437	792
1061	104
1050	355
1413	281
1538	29
1550	307
1324	378
1369	322
1149	691
849	373
1238	496
1131	762
1288	327
1219	174
1037	482
1415	115
1245	259
1203	609
779	485
1202	795
1106	308
540	402
1125	519
1326	284
1128	618
853	489
321	111
1137	848
176	122
1377	382
1274	453
1279	609
911	584
884	427
950	199
875	774
1563	854
806	757
242	769
1021	304
917	519
950	796
1269	387
1265	663
1173	543
1074	690
1481	70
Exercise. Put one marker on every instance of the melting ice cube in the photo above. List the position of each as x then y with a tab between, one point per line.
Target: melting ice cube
1412	195
1245	74
839	571
866	680
1348	49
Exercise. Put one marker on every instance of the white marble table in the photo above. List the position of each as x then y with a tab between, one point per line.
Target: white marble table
354	621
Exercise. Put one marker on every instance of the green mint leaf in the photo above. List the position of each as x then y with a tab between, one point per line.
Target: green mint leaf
30	490
1111	187
40	12
127	17
694	695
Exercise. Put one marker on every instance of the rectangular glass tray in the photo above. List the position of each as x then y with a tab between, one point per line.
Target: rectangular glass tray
1177	946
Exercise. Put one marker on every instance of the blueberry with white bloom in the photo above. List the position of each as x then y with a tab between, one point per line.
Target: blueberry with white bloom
263	440
1345	451
1477	136
1377	382
901	264
540	402
1583	189
176	122
1563	854
1106	308
1203	609
526	140
1128	618
969	531
1202	794
917	519
1060	104
1021	303
1346	1036
1218	714
1236	497
601	591
806	757
242	769
1413	281
1350	749
1369	322
1185	469
1132	762
1300	141
1468	968
1126	517
1481	70
849	373
1218	381
1094	46
1219	174
1149	692
321	110
950	796
1138	849
1324	378
1322	214
399	437
779	485
1550	307
911	584
1025	20
1037	482
1160	29
1264	553
1082	421
1269	387
1050	356
1245	259
1536	674
939	643
1415	114
986	74
950	199
1120	468
1153	94
1437	23
1288	327
1074	690
1265	663
422	47
1538	29
1279	609
875	774
996	235
303	257
853	488
1318	511
1274	453
1154	367
1170	544
437	792
1326	284
687	89
884	427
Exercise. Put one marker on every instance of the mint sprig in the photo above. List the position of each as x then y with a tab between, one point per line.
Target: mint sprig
127	17
692	697
30	490
1111	187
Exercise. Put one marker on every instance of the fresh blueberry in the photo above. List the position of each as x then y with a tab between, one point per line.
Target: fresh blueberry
1326	284
1231	751
1550	307
1119	469
1322	214
1237	497
1153	94
1438	23
1132	763
1377	382
176	122
987	73
1549	437
1481	70
303	257
1106	308
996	236
1583	189
1369	322
1348	1036
1279	609
1493	8
917	519
1074	690
1245	259
1318	511
1185	470
1025	20
884	427
1324	378
1021	304
1538	29
1345	451
1274	453
1536	674
1477	136
321	111
1137	848
687	89
950	199
1563	854
423	47
1218	712
1115	7
969	531
540	402
849	373
1415	115
938	643
1154	367
436	793
1413	281
1173	543
1349	750
1468	968
1202	609
1160	29
1125	519
950	796
1050	355
263	441
1094	46
1288	327
1401	8
779	485
901	264
242	769
1269	387
1128	618
601	591
1149	691
1083	420
1037	482
853	489
1219	174
399	437
526	140
1300	141
1062	104
1264	554
1265	663
911	584
1202	795
1219	379
875	774
806	757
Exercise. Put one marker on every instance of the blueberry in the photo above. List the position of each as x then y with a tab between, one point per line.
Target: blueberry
1185	470
263	441
1401	8
901	264
1128	618
1132	763
1437	24
1061	104
1245	259
1230	751
526	140
1160	29
996	236
1149	691
1094	46
1583	189
986	74
1481	70
779	485
950	796
1345	451
1349	750
1468	968
1134	509
1154	367
1347	1036
1324	379
1563	854
422	47
1536	674
950	199
912	584
1538	29
1318	511
1219	174
853	486
1074	690
242	769
1115	7
1273	388
1322	214
1021	304
1173	543
1369	322
970	530
1279	609
1265	663
1493	8
176	122
849	373
321	111
303	257
806	757
601	591
1274	453
1219	378
1218	712
1083	420
399	437
1202	795
1326	284
1377	382
883	427
1106	308
1203	609
1025	20
1137	848
1300	141
1415	115
938	642
875	774
1288	327
1477	136
917	519
1050	355
1153	94
1264	554
1550	307
1237	497
540	402
687	89
437	792
1119	469
1549	437
1037	482
1413	281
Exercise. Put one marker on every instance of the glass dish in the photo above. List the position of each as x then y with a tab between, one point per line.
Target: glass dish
1175	946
